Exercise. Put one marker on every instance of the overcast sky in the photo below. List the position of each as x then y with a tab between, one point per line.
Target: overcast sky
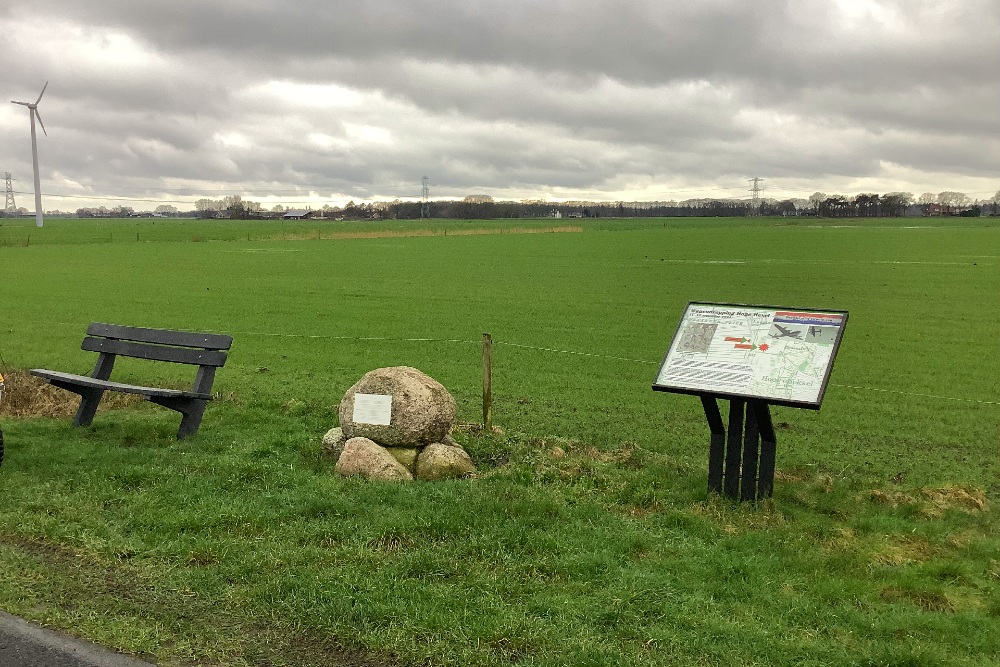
322	101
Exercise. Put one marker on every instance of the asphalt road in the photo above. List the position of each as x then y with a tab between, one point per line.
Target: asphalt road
25	645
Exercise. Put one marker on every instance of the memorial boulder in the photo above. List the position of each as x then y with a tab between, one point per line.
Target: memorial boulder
419	412
394	425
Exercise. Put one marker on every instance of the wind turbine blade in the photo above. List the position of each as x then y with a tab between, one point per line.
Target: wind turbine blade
40	121
42	93
23	104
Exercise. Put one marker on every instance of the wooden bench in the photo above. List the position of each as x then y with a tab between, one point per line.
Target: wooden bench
204	350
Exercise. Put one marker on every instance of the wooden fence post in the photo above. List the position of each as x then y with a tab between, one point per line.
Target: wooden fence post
487	383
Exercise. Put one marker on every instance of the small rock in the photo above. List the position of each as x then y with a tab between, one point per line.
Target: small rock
440	461
333	442
364	457
407	456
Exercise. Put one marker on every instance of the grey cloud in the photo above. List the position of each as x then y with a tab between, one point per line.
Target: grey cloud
523	94
638	41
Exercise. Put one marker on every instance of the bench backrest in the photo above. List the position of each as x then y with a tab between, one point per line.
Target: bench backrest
183	347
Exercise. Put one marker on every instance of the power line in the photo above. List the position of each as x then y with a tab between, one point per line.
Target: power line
701	189
140	199
105	198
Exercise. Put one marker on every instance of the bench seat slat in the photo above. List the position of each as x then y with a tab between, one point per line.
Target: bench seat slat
86	381
181	355
204	341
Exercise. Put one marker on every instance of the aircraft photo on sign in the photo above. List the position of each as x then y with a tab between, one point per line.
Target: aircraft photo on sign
781	355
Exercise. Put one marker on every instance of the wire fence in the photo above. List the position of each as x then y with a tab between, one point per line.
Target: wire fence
596	355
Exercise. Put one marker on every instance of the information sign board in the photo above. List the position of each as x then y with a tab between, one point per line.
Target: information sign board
780	355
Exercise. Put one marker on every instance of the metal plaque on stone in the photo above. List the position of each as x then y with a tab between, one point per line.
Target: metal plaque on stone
372	409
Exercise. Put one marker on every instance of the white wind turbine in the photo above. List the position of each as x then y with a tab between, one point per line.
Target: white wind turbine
33	113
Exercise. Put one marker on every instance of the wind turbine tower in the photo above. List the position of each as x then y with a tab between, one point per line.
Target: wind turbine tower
33	114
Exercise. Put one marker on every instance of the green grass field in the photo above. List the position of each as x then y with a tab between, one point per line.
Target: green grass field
587	538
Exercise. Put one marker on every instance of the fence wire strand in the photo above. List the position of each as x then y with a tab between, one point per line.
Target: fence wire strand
582	354
595	355
913	393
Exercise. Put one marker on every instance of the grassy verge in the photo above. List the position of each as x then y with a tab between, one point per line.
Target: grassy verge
558	554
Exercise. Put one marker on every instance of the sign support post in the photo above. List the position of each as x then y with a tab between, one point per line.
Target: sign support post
742	466
768	451
717	444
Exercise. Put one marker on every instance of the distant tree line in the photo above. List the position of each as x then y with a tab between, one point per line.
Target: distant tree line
895	204
105	212
483	207
864	205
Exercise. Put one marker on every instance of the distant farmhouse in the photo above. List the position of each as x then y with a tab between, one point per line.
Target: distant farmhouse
297	215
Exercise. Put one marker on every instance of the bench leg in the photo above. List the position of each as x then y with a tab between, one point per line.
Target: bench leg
191	420
89	400
192	410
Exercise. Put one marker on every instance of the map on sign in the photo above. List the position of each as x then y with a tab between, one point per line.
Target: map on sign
778	354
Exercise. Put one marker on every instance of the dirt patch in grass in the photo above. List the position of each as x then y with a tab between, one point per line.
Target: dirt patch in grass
26	396
792	475
739	519
904	551
964	498
932	502
842	539
476	429
926	600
